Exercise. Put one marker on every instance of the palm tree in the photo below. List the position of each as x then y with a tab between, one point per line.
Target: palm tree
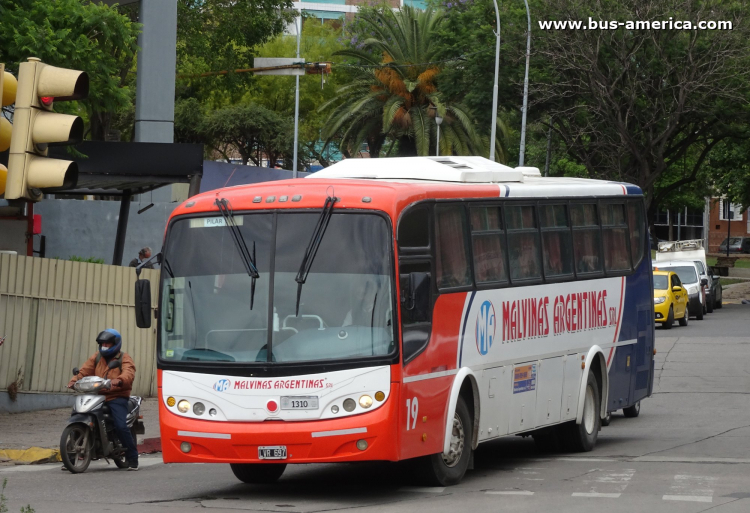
393	93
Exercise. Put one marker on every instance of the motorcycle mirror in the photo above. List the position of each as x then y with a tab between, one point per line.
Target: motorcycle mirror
75	371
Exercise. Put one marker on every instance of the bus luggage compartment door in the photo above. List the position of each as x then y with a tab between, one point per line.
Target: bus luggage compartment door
523	403
495	391
549	395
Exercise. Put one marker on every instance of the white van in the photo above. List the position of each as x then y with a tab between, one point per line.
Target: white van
693	250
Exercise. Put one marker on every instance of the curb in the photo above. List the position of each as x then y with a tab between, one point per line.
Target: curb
39	455
33	455
149	446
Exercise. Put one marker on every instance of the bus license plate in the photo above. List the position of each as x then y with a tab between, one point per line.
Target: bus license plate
272	452
299	403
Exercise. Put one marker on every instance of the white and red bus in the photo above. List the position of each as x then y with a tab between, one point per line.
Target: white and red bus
392	309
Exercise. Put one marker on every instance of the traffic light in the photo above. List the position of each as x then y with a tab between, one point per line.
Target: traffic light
8	85
36	126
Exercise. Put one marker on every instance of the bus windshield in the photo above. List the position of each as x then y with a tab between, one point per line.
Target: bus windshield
345	307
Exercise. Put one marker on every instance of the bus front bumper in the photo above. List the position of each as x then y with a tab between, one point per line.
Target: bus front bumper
320	441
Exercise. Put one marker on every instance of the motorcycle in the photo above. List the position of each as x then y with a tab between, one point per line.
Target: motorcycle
90	433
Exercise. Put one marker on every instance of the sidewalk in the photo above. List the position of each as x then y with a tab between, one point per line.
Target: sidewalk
737	292
41	430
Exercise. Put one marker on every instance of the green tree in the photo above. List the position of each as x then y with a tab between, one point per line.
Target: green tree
80	35
639	105
222	35
393	91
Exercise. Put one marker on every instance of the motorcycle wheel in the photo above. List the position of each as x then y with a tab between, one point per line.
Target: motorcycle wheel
76	447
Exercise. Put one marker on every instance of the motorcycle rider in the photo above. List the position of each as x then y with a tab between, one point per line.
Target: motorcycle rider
121	375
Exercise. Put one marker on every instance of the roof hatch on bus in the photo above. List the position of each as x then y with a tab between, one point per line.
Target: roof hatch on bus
438	169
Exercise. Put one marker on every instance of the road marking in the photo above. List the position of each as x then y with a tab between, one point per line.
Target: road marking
608	484
510	492
422	489
673	459
692	498
691	488
587	460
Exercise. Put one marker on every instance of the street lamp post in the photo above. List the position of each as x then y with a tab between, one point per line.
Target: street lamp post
298	26
494	89
525	87
438	121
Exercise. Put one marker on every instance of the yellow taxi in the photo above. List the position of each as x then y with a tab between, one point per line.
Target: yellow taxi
670	299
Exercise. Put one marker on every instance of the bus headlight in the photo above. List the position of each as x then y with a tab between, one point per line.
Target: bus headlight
183	406
349	405
199	408
365	401
659	300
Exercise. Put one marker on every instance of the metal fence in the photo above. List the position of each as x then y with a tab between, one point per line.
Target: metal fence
50	314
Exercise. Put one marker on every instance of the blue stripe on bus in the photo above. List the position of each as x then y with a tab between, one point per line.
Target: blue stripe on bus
466	319
507	191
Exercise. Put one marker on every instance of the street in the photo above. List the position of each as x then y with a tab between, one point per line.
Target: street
689	451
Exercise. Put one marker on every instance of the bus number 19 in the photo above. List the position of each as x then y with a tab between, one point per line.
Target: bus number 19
412	409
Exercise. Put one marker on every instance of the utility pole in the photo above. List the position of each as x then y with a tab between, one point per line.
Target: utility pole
522	152
298	25
494	89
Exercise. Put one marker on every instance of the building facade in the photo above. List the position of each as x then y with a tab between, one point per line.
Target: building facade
330	10
720	226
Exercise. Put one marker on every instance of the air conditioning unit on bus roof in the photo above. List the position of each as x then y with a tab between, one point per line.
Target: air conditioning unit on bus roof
437	169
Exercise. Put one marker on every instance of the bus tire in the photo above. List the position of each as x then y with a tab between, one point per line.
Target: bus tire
632	411
441	471
258	473
582	437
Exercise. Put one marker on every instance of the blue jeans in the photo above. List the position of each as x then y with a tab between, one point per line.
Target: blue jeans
119	409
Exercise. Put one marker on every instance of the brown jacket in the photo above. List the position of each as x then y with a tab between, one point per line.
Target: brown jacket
126	374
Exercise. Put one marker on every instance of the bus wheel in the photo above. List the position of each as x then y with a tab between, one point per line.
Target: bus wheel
632	411
582	437
258	473
446	470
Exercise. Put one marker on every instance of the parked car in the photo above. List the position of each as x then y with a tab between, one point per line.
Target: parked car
670	299
736	245
696	286
693	250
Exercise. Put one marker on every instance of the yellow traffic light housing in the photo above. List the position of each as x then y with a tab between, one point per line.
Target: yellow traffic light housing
8	86
36	126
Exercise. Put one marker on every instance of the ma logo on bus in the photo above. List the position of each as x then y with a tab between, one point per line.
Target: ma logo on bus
221	385
485	330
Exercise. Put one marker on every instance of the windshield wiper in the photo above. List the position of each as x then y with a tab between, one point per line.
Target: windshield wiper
239	241
313	245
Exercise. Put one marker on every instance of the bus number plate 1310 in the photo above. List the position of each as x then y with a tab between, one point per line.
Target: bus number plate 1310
272	452
299	403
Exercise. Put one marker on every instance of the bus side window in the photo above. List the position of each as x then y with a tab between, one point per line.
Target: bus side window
615	233
488	245
558	248
635	223
451	263
523	243
586	239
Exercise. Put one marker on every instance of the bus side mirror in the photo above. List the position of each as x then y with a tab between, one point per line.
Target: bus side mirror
143	303
419	296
